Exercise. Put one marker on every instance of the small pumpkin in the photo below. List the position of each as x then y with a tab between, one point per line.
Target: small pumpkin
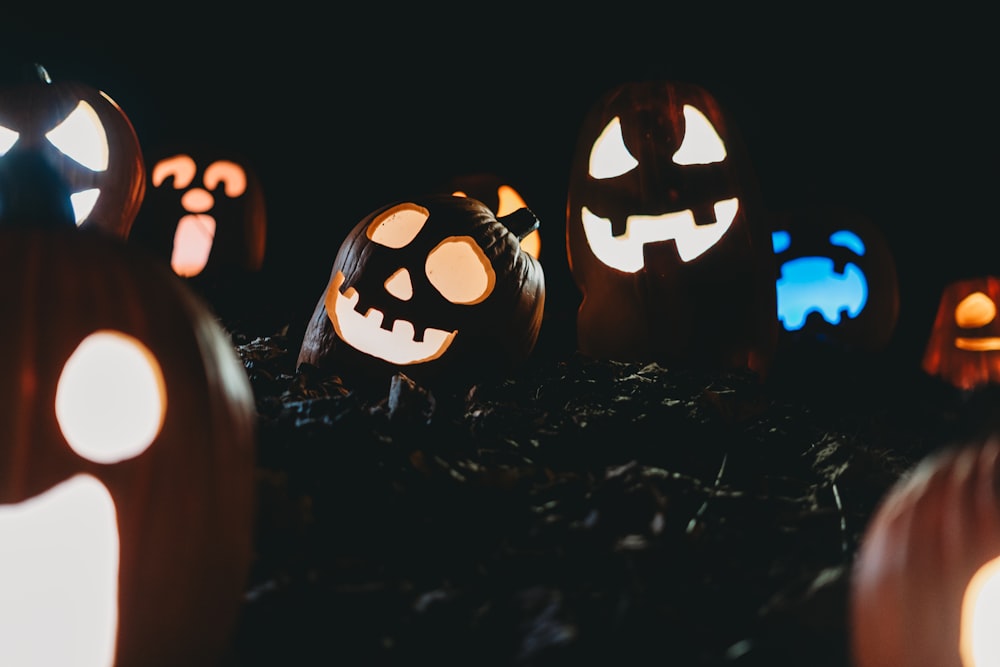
204	211
665	236
127	466
925	585
85	138
437	288
964	344
837	280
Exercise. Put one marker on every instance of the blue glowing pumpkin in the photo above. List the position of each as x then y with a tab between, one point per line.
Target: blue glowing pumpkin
837	280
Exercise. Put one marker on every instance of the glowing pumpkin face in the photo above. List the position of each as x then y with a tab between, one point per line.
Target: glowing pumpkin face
85	138
437	288
204	212
662	236
925	588
126	468
502	198
964	345
837	279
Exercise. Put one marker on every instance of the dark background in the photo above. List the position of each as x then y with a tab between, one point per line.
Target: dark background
344	109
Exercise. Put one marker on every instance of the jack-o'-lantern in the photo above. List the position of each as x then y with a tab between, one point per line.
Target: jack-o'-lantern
925	587
964	344
204	212
85	137
837	279
437	288
502	198
127	461
665	237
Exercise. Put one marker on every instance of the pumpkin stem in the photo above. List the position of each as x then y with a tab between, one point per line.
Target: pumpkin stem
521	222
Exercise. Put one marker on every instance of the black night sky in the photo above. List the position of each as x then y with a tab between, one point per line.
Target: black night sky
892	117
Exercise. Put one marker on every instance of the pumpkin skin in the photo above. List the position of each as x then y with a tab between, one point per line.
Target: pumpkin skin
669	248
964	344
502	198
837	280
102	156
932	533
487	331
204	212
183	506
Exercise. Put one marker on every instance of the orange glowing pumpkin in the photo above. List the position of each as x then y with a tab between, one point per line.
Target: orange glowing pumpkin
665	236
964	344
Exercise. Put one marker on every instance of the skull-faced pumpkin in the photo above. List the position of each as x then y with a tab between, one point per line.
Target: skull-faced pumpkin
437	288
837	280
964	344
85	138
204	212
665	238
127	461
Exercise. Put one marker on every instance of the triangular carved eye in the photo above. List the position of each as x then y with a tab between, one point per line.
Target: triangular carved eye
8	138
111	398
81	137
459	269
398	226
702	144
609	157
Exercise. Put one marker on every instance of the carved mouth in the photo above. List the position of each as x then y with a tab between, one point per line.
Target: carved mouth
625	252
810	284
364	332
986	344
192	244
59	576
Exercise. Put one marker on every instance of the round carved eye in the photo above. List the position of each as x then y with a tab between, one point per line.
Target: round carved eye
975	310
460	271
111	398
399	225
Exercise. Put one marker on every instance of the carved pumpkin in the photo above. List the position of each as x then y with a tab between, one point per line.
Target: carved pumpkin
964	344
837	279
204	212
437	288
127	462
665	238
925	589
500	196
85	138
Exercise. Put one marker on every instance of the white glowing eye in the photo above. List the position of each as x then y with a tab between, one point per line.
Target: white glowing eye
975	310
702	144
230	174
609	157
181	167
81	136
459	270
8	138
111	398
399	225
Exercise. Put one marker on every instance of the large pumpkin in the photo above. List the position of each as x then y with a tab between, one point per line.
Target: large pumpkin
964	344
204	212
437	288
837	281
925	588
665	237
85	138
127	461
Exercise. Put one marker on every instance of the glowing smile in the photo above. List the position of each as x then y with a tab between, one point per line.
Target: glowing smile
988	344
625	252
59	576
365	332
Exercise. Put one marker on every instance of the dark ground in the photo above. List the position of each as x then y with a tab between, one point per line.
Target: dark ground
580	512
